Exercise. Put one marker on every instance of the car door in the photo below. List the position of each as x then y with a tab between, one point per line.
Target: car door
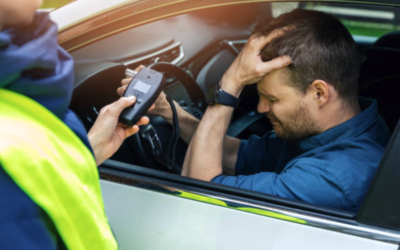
147	210
152	209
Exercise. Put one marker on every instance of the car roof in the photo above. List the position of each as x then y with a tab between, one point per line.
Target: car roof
83	10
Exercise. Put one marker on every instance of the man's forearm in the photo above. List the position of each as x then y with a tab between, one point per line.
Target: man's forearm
188	125
205	157
230	152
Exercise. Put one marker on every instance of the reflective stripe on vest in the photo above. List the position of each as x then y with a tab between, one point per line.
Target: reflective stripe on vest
55	169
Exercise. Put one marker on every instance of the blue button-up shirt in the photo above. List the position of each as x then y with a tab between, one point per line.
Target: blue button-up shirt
332	169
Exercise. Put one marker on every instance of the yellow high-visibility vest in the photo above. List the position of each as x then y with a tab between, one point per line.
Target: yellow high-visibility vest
46	159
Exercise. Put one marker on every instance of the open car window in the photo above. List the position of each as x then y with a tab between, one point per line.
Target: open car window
202	43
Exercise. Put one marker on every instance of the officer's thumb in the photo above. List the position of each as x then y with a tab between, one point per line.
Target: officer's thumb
121	104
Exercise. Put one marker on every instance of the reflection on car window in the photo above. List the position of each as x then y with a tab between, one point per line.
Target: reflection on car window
360	20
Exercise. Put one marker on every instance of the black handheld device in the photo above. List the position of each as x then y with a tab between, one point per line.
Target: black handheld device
146	86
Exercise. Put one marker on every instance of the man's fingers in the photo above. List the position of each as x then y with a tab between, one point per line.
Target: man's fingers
121	90
152	107
276	63
139	68
289	27
260	41
126	81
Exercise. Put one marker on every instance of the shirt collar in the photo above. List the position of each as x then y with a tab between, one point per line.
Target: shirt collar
349	129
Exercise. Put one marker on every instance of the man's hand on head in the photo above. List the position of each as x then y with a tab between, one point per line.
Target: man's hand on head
208	140
248	67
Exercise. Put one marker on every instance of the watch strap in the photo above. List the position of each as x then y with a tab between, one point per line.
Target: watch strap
227	99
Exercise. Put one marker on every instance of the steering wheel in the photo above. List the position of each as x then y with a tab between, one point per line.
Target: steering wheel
136	142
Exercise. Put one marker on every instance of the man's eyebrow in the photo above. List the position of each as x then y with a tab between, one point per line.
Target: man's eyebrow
265	95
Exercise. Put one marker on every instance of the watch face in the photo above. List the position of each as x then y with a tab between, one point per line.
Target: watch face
210	95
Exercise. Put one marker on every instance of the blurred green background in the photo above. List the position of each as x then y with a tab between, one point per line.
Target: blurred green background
370	27
54	3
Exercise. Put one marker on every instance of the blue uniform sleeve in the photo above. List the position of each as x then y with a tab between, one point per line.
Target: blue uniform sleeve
258	154
305	181
73	122
23	225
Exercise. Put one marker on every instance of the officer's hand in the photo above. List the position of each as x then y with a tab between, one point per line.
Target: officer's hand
248	66
107	134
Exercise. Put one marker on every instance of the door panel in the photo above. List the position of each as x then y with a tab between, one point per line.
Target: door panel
144	219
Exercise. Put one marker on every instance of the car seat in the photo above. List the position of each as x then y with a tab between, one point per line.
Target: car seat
380	77
390	40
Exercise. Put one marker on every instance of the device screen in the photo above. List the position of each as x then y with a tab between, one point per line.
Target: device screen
142	87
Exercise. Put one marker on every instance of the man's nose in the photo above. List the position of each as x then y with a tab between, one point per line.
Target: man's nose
263	107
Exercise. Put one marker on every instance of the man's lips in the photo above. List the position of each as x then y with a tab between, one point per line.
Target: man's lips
272	120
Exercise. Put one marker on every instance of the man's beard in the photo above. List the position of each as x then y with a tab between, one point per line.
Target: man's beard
300	126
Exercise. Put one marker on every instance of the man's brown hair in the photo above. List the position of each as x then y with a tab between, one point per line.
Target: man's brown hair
320	48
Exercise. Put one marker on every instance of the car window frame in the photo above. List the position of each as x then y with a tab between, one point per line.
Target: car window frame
76	37
381	204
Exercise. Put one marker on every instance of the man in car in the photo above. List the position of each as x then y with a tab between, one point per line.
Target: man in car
326	143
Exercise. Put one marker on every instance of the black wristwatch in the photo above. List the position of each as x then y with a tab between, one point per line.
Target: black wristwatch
216	95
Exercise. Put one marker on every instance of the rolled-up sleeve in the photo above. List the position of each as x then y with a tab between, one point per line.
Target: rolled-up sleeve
304	181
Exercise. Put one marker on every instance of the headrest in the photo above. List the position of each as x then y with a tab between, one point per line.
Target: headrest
391	40
380	63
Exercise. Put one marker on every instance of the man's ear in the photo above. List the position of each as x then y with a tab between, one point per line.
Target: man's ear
320	92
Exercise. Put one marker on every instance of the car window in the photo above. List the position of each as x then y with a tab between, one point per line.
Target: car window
192	44
361	20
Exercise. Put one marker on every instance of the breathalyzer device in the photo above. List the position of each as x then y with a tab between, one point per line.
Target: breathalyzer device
146	85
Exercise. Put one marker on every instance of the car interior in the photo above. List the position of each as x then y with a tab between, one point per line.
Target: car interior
193	51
